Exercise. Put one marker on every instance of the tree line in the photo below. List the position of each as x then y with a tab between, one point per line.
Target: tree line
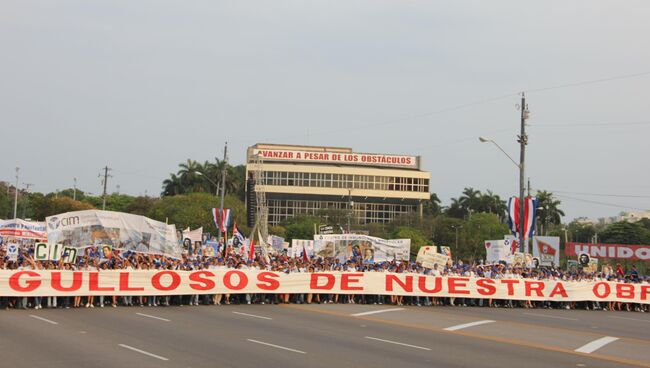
188	195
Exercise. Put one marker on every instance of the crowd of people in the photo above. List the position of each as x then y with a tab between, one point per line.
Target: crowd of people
96	259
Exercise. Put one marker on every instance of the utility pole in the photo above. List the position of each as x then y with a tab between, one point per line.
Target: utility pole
27	185
523	141
16	194
105	183
350	204
223	188
74	190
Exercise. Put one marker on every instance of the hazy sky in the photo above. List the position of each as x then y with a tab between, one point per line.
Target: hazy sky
141	86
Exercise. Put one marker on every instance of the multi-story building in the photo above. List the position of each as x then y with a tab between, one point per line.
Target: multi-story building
308	180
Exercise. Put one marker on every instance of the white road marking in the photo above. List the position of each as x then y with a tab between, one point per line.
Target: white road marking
596	344
556	317
276	346
44	319
143	352
631	319
466	325
397	343
376	311
154	317
252	315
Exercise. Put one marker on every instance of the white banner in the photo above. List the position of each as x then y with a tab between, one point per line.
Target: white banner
371	249
122	231
547	250
27	283
23	229
498	250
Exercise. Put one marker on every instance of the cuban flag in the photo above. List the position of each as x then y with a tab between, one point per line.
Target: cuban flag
530	214
513	215
222	219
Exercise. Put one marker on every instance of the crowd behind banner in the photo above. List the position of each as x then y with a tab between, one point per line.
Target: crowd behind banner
99	262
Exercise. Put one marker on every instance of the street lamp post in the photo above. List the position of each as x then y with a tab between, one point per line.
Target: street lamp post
350	205
210	180
456	227
523	141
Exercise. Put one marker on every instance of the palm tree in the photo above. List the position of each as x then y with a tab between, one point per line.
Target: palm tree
172	186
432	206
236	181
188	175
470	200
492	203
548	211
455	209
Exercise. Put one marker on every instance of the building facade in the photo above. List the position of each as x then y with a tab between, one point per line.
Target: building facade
334	181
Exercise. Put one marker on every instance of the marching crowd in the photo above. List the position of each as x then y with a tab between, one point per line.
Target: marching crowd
94	259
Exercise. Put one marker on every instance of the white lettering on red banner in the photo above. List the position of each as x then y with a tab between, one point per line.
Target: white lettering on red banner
167	282
371	159
613	251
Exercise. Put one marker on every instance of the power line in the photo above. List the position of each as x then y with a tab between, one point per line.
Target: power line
458	107
593	81
602	195
542	125
602	203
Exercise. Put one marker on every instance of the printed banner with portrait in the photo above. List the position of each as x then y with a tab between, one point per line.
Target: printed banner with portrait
122	231
369	248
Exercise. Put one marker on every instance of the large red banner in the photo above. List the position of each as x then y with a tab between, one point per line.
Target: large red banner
614	251
168	282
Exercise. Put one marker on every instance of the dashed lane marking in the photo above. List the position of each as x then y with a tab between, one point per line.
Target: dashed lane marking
467	325
596	344
44	319
376	312
142	352
276	346
252	315
154	317
397	343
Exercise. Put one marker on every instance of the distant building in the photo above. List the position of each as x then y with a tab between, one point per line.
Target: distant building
623	216
634	216
309	180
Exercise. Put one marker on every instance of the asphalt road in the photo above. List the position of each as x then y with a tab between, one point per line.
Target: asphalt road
322	336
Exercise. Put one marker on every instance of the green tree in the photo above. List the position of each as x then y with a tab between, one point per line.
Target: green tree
418	239
470	200
44	206
456	209
580	232
492	203
625	233
479	228
431	206
300	227
172	186
194	210
548	210
443	231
